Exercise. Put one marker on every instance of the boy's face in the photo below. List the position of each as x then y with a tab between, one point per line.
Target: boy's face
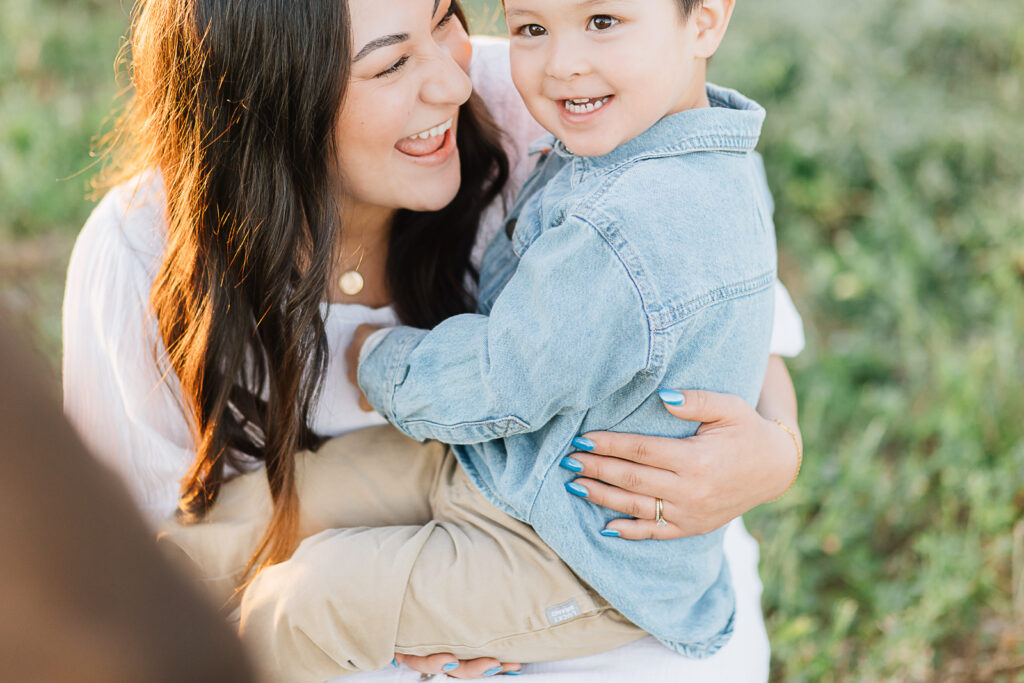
597	73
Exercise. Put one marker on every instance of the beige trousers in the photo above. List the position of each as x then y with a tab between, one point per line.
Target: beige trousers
401	554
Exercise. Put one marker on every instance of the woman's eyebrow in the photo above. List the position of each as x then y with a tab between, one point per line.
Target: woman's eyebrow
378	43
386	41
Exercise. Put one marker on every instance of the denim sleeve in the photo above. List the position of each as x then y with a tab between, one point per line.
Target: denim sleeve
568	330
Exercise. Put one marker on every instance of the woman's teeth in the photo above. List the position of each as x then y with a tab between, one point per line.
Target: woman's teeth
586	105
428	142
433	132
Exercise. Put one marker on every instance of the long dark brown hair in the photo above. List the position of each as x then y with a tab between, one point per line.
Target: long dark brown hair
236	103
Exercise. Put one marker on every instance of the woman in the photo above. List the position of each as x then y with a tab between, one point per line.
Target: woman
266	121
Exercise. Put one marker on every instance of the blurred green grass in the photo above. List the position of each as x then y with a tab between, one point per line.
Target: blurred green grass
56	89
895	148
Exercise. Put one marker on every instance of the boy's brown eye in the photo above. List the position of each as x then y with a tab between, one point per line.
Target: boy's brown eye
602	22
533	30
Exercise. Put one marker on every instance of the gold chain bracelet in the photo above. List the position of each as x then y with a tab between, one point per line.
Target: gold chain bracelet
799	454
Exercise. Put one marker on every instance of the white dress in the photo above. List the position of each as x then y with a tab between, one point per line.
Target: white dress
131	416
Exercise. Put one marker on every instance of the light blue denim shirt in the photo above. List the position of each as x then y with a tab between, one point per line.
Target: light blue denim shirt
650	267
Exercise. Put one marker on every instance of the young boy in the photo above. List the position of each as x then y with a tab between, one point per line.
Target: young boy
646	259
639	256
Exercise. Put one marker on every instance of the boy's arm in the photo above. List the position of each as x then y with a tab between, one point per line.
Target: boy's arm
568	330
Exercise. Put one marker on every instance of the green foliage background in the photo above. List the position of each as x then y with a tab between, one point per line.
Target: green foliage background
895	148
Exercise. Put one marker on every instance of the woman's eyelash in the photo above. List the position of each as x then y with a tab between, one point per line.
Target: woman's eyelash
447	17
394	67
401	62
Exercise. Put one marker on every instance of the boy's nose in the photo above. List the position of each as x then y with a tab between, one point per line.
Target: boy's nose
566	61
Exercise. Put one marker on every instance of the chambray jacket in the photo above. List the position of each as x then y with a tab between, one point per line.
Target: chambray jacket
650	267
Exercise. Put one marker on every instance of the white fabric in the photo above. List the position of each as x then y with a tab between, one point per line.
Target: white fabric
130	415
788	327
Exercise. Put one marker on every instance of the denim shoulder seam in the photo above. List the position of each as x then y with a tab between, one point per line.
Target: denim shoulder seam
605	179
678	313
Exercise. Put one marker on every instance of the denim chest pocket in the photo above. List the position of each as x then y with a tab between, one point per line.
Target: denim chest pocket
469	432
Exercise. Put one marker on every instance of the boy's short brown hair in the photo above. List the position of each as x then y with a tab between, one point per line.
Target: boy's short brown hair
688	6
685	6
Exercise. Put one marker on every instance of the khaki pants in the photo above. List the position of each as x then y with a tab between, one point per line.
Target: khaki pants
401	554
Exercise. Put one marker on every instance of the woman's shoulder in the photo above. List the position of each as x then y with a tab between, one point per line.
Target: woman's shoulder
117	255
490	69
128	223
491	73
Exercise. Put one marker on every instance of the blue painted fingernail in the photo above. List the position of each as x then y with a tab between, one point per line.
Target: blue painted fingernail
450	666
671	397
582	444
571	464
493	672
394	663
513	673
576	490
610	533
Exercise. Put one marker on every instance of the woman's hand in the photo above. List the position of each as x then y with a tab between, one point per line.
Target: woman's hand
738	460
449	665
362	333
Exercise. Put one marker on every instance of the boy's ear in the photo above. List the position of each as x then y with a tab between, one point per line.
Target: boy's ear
712	19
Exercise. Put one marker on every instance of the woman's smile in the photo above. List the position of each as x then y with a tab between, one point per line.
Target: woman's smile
431	147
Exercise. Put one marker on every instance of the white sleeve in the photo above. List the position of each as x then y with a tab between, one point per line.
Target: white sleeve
126	412
788	328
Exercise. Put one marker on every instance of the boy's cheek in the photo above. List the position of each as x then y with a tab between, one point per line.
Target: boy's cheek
525	74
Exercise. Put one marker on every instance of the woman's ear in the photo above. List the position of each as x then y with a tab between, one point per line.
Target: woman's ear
712	19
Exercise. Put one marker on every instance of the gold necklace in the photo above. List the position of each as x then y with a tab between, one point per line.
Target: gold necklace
351	281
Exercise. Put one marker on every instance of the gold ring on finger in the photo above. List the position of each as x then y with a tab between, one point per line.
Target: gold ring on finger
659	512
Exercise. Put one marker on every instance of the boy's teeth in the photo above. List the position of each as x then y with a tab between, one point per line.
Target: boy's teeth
435	131
585	105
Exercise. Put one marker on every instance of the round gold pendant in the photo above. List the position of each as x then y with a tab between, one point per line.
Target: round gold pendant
351	283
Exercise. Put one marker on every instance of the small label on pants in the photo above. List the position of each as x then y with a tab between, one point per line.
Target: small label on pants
559	613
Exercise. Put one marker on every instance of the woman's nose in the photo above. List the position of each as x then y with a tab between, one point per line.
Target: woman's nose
447	82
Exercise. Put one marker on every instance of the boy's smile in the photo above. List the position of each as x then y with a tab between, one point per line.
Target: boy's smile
583	111
585	105
598	73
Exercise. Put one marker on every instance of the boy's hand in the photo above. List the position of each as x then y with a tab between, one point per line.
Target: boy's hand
352	358
453	668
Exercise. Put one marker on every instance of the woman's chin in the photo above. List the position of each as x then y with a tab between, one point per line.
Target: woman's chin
432	198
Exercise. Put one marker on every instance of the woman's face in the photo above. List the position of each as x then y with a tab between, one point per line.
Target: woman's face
396	129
